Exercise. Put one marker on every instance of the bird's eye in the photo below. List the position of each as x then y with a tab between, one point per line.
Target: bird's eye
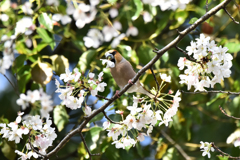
109	56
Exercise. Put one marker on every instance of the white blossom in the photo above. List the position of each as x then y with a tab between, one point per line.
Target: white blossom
132	31
206	148
113	12
165	78
27	8
93	39
210	60
65	19
110	64
147	17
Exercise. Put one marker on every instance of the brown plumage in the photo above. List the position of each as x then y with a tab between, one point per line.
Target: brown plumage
123	72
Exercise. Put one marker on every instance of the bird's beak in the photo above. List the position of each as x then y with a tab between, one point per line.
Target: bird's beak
109	56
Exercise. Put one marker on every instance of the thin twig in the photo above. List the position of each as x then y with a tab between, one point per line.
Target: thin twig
33	149
104	113
224	112
177	146
158	86
189	57
102	97
178	31
16	91
223	153
230	16
213	91
85	144
206	5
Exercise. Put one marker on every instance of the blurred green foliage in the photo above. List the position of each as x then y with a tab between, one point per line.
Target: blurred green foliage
199	117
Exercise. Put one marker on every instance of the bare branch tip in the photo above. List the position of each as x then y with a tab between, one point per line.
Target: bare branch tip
179	32
230	16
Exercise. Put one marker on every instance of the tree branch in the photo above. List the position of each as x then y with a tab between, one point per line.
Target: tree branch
177	146
213	91
85	144
99	96
158	86
224	112
223	153
190	58
110	119
231	16
206	5
15	89
139	73
33	149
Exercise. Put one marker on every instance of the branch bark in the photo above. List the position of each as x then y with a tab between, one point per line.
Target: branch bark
177	146
223	153
213	91
139	73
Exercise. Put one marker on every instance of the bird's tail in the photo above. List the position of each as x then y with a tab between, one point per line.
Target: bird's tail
146	92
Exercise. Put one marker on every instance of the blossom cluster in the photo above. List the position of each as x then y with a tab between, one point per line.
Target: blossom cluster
82	14
38	99
24	26
77	86
143	119
8	53
39	135
95	37
168	4
212	64
206	147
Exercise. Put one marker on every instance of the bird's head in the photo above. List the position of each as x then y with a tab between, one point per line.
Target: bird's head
113	56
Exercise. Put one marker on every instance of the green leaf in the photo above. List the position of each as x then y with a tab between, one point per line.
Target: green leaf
236	102
24	75
165	57
5	5
115	117
59	63
61	117
46	21
179	17
214	99
193	20
112	1
92	137
162	23
46	37
233	47
170	154
18	63
139	9
139	150
105	144
223	158
85	59
82	150
94	131
38	74
97	118
39	47
8	149
146	54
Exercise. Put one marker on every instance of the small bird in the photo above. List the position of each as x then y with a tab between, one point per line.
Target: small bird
123	73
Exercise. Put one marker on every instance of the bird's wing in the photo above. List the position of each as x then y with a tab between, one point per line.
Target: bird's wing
126	70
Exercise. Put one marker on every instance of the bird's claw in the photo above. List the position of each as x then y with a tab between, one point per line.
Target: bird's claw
130	81
117	93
